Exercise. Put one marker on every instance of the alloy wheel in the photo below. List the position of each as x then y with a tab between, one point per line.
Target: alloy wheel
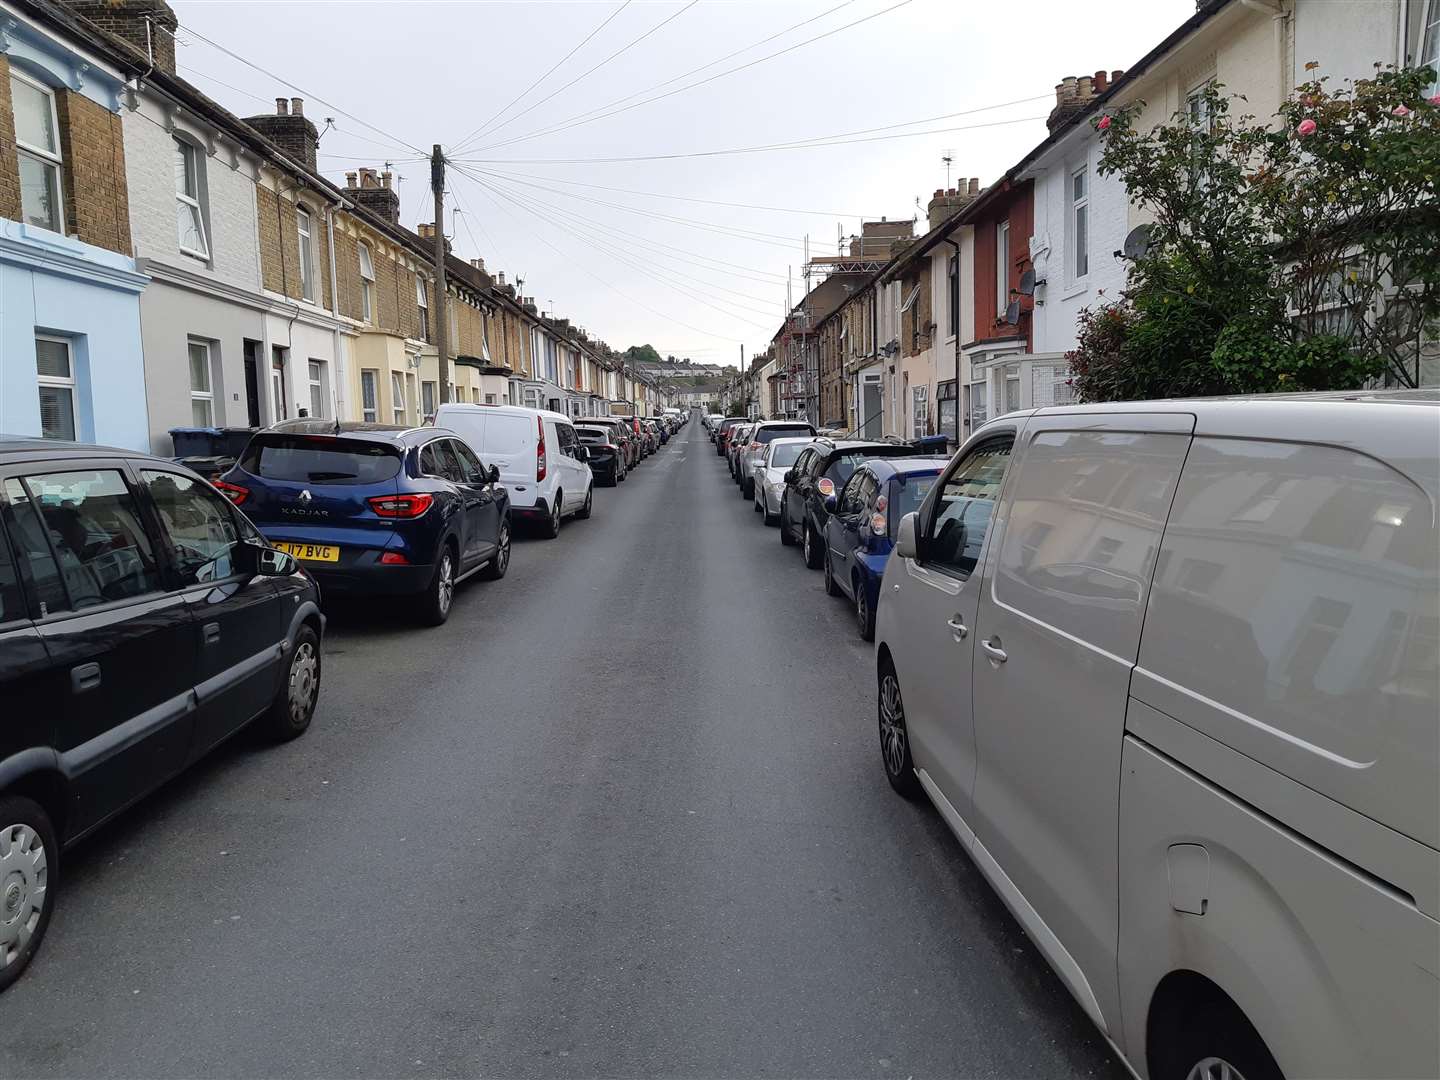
445	583
892	727
502	557
1214	1068
24	877
304	681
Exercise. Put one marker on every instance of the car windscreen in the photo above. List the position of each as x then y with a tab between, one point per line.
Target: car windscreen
907	493
320	459
844	463
766	434
783	456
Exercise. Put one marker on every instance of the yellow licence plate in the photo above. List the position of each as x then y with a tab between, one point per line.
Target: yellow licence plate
311	552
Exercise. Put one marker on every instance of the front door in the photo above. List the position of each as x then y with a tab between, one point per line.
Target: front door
870	408
239	627
124	642
1056	636
942	591
252	383
279	400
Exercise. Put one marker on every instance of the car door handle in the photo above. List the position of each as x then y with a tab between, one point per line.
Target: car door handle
958	628
84	677
994	651
211	632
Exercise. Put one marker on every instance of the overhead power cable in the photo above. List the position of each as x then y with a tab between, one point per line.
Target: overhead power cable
589	71
566	125
520	96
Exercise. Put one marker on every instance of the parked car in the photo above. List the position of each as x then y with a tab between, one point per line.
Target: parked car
753	448
778	456
739	437
722	432
621	435
1168	670
607	455
375	510
652	432
864	516
143	620
542	465
822	469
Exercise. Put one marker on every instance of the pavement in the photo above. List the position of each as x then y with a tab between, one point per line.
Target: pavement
623	815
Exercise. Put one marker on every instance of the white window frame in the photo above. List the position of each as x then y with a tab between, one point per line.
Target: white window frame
207	395
47	158
67	383
368	379
184	146
1078	264
1430	28
367	283
1002	267
397	393
316	373
431	390
304	234
422	303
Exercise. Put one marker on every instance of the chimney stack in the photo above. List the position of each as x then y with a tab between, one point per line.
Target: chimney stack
126	19
289	130
478	264
946	204
426	230
1073	95
375	194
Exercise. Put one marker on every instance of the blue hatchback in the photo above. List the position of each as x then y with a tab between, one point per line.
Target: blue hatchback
864	516
376	510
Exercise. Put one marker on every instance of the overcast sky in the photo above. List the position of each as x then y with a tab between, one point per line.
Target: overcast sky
420	72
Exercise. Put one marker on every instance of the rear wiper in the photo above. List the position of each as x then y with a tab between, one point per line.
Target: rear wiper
316	477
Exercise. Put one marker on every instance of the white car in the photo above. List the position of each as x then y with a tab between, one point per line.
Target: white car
768	483
542	464
757	438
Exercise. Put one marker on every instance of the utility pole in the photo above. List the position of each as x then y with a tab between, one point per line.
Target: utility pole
442	320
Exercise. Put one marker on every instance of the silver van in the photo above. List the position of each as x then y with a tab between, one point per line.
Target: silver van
1171	673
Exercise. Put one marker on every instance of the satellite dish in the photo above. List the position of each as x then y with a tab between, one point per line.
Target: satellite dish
1012	312
1028	281
1137	244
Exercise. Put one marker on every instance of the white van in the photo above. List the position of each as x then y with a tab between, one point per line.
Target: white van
1171	673
541	462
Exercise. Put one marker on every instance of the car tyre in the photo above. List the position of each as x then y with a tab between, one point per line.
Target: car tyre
832	587
864	613
439	596
500	561
1212	1040
810	548
895	736
785	537
770	519
29	878
749	489
589	507
290	713
755	506
551	529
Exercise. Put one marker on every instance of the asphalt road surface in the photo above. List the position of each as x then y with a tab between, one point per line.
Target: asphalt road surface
623	815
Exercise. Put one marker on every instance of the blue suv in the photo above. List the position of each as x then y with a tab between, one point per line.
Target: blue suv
371	509
861	526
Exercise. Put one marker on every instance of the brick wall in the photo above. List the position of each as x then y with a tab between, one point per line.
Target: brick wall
912	344
9	164
280	245
97	208
272	262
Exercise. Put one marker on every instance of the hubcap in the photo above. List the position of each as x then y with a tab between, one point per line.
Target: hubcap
1214	1068
23	876
446	583
304	680
892	729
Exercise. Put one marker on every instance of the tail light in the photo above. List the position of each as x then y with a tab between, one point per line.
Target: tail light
877	524
394	558
826	486
756	447
540	451
234	492
410	505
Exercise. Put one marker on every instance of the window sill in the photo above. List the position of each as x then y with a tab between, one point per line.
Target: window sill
1074	289
203	258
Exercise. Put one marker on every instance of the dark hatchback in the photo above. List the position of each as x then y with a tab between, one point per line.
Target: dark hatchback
864	516
822	469
607	451
377	510
143	620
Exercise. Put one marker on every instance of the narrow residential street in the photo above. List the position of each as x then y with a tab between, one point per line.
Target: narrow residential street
623	815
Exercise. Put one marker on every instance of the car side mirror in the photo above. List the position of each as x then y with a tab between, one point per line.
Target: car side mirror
831	503
790	476
905	536
493	474
271	562
582	453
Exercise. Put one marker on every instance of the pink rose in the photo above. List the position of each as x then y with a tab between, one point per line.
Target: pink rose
1435	100
1307	127
1104	123
1400	110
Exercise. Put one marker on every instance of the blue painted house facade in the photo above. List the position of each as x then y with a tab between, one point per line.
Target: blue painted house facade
71	363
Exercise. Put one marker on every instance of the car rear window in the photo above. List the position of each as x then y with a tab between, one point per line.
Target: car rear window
592	435
320	459
765	434
845	462
782	457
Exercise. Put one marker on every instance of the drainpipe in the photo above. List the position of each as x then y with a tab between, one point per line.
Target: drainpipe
955	307
1403	34
335	336
1276	10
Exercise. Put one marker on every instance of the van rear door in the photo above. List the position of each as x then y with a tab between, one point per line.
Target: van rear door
509	444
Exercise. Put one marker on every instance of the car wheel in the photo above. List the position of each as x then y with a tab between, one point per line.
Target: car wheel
551	528
1209	1038
501	560
810	548
864	613
755	506
770	518
895	737
294	705
832	587
439	595
785	537
750	489
743	494
588	508
29	856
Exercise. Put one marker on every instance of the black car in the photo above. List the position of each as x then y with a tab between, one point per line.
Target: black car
377	510
820	471
143	620
607	453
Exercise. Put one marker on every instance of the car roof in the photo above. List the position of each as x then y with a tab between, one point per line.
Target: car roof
887	468
831	445
360	430
507	410
30	446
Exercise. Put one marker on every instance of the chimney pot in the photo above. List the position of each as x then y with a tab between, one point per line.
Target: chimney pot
385	178
297	106
500	278
938	192
478	264
974	185
282	106
1117	75
349	179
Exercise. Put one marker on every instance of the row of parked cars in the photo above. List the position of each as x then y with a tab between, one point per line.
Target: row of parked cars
146	615
1170	671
